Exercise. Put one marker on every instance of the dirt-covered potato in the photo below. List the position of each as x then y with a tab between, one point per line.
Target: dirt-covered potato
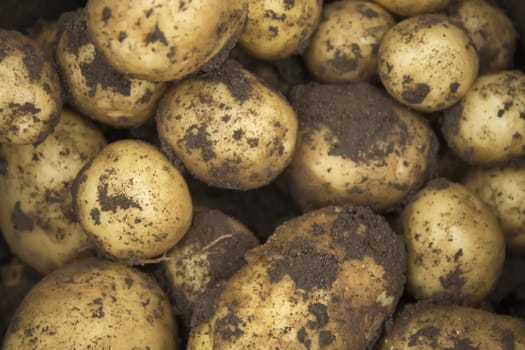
36	213
357	145
45	33
488	125
491	31
93	304
455	245
325	280
409	8
165	39
94	87
30	95
211	251
228	129
277	29
503	189
344	46
424	326
427	62
132	202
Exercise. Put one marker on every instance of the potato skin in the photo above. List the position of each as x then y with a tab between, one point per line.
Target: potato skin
36	215
93	304
325	280
409	8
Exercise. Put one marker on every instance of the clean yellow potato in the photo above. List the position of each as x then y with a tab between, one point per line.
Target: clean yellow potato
503	189
427	62
488	125
93	87
344	46
132	202
455	245
228	129
30	93
164	40
277	29
410	8
36	213
93	304
325	280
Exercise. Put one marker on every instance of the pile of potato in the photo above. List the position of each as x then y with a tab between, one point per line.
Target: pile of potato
252	174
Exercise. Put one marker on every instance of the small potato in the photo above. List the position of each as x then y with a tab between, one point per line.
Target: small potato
408	8
36	213
93	304
30	93
164	40
488	126
427	62
429	327
344	47
325	280
277	29
93	87
503	189
455	245
357	145
491	31
132	202
228	129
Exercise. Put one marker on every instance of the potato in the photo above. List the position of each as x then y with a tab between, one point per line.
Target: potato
491	31
488	126
132	202
30	95
344	47
325	280
427	62
278	29
409	8
455	245
356	145
94	87
45	33
428	327
228	129
36	214
503	189
165	40
93	304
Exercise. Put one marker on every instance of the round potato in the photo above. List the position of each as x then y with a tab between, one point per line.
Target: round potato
488	126
228	129
93	87
164	40
30	93
427	62
132	202
93	304
410	8
344	46
277	29
455	245
36	214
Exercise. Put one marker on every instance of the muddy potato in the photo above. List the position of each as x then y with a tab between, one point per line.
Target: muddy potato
93	304
344	46
357	145
164	40
488	126
277	29
427	62
132	202
30	95
36	214
228	129
409	8
455	245
325	280
428	327
491	31
503	189
93	87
